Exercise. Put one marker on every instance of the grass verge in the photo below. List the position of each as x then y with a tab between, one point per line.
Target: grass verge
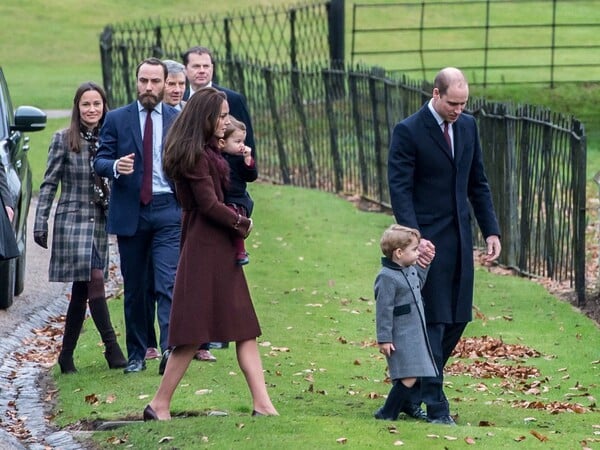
313	260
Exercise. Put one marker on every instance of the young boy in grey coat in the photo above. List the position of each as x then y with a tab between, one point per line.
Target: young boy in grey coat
400	320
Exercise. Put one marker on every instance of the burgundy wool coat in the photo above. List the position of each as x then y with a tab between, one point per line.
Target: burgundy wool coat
211	300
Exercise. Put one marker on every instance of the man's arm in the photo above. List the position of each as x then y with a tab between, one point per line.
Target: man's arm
401	167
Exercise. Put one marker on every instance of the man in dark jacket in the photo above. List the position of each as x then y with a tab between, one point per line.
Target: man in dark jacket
435	172
199	69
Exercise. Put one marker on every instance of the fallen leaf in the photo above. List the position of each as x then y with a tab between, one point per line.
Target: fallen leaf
341	440
539	436
203	391
164	439
92	399
470	440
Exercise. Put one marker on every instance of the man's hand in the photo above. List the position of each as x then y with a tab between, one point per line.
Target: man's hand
41	238
426	253
493	249
125	164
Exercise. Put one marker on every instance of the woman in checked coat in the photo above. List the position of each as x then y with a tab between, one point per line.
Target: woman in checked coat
79	241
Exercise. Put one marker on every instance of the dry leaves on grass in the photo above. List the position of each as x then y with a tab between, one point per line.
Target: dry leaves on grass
489	347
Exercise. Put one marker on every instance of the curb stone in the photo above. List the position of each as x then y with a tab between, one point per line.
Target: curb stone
20	388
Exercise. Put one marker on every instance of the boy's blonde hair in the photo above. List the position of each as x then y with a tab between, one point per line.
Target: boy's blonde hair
233	126
397	236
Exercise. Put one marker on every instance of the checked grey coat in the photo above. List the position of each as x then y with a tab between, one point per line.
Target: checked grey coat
400	319
78	222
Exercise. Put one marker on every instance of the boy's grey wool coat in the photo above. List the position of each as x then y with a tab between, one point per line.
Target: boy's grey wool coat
400	319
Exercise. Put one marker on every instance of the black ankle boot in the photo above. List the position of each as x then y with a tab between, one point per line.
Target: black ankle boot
397	398
112	352
114	356
65	361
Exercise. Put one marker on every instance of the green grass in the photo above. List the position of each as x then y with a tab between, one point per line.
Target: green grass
313	261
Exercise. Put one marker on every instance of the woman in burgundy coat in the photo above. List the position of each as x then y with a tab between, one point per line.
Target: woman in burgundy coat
211	301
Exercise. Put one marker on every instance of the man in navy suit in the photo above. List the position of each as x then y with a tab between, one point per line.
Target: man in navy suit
435	172
143	211
199	69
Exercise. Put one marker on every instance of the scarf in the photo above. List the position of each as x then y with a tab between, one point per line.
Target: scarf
101	188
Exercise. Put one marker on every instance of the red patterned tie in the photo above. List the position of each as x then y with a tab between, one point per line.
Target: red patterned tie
447	137
146	192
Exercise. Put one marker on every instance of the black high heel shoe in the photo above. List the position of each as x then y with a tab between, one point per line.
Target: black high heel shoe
149	414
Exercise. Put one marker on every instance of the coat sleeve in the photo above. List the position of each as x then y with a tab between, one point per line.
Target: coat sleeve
107	148
385	293
401	175
479	192
52	177
205	198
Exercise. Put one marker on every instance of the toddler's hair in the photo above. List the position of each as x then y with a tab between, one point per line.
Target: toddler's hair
233	126
397	236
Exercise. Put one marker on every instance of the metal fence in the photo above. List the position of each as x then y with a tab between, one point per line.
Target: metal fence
320	124
311	33
493	41
329	129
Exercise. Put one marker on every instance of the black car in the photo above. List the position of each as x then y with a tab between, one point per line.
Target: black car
15	165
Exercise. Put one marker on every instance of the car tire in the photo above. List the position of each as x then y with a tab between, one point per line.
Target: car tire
7	282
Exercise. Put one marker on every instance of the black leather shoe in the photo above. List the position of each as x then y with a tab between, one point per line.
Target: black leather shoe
163	362
380	416
443	420
135	365
415	411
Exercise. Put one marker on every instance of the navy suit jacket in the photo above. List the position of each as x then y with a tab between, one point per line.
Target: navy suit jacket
432	191
121	135
238	108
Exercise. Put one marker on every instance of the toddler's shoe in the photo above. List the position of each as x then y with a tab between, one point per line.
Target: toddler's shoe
242	258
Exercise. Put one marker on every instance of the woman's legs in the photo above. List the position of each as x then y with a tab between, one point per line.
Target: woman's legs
101	316
177	364
73	324
251	365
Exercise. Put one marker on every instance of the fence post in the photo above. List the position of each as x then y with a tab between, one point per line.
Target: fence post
227	38
329	80
125	73
335	20
106	47
578	155
157	50
526	183
360	135
377	141
335	15
267	73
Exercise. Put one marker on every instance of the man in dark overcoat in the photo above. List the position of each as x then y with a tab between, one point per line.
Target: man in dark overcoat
435	173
